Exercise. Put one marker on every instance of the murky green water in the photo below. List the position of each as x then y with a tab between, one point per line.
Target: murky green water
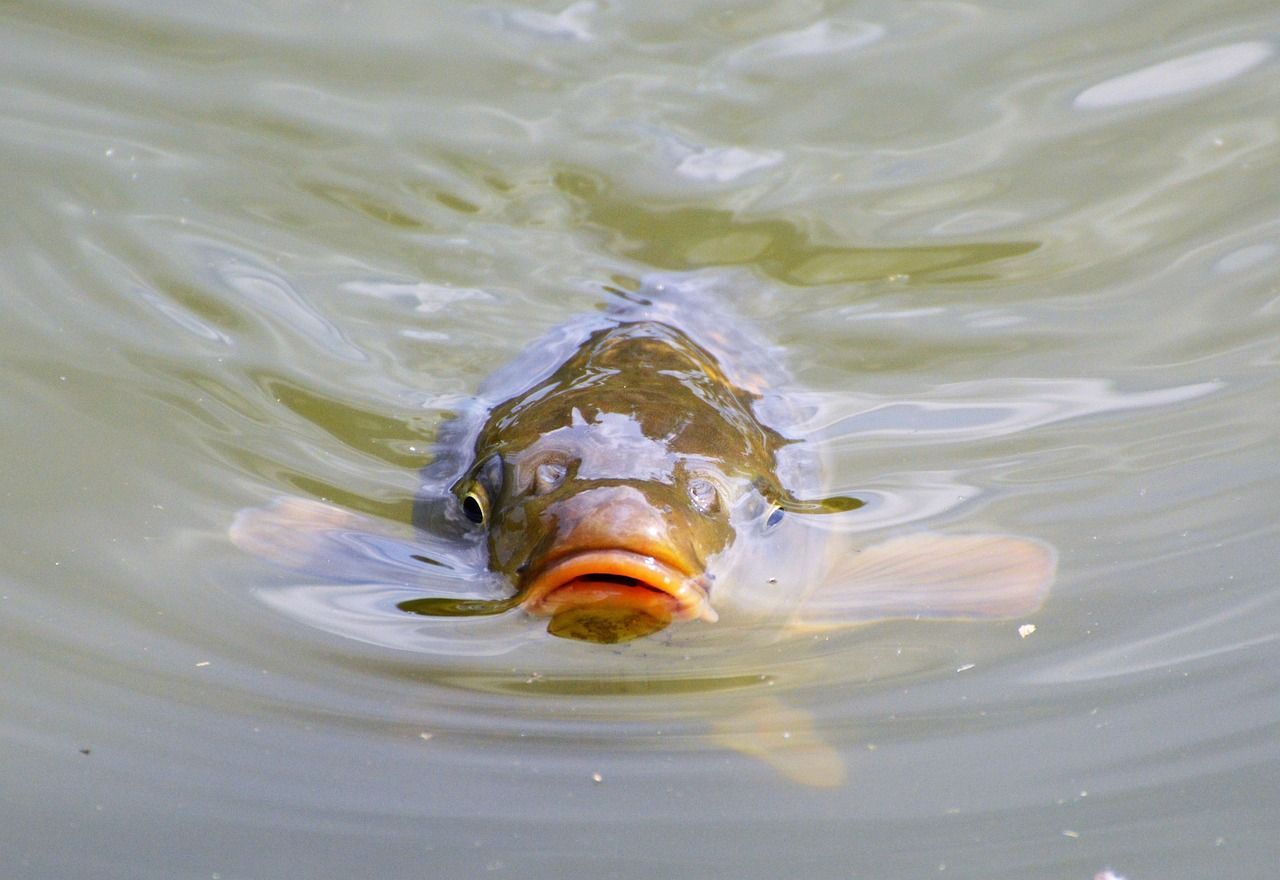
1025	260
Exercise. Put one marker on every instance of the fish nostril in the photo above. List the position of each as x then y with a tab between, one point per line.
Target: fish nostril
704	495
548	475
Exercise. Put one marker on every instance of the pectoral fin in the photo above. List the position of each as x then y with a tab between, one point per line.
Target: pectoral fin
932	576
322	540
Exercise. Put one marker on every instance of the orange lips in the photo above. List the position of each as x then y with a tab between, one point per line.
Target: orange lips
616	581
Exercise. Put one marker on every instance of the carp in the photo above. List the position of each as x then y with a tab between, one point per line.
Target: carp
636	469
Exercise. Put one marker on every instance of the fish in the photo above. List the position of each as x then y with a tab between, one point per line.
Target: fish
635	470
640	469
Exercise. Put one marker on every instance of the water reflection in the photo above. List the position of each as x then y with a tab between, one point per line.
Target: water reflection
363	212
368	613
275	299
962	411
695	237
787	52
1177	76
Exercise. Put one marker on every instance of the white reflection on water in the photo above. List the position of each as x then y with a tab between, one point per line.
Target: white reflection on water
826	37
1169	646
272	295
421	296
694	160
570	23
184	318
367	613
1245	258
1176	76
988	408
900	499
722	164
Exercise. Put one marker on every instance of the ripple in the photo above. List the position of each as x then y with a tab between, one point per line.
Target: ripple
989	408
1177	76
828	37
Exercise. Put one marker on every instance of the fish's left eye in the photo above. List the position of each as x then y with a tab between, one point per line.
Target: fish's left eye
475	504
704	495
775	517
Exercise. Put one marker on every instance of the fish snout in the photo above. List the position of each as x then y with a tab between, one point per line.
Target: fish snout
612	549
612	517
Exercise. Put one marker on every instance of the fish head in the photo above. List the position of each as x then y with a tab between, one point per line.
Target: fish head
603	528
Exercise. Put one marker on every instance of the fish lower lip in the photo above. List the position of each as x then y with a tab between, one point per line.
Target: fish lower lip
615	572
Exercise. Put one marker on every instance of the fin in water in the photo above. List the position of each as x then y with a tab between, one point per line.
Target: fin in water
782	737
926	576
321	540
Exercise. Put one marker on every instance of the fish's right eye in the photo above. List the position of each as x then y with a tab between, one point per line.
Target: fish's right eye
475	504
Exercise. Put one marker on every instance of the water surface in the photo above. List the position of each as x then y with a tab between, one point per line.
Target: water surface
1024	262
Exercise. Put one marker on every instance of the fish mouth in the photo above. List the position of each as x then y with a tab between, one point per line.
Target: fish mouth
618	578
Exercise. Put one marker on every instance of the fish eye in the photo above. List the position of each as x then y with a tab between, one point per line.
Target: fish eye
475	504
704	495
775	517
548	475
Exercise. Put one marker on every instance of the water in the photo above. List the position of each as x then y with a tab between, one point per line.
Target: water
1024	261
